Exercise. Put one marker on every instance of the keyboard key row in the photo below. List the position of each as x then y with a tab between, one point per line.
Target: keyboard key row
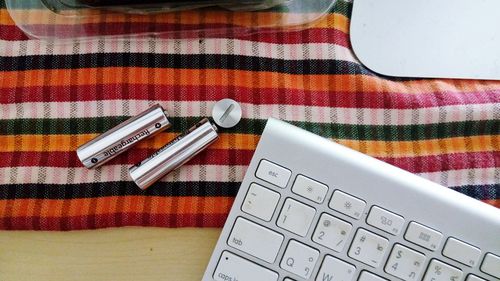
310	189
300	259
234	268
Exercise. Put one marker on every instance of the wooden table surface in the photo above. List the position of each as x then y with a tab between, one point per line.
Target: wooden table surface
123	254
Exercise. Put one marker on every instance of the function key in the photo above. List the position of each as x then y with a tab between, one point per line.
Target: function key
296	217
260	202
272	173
491	265
347	204
368	248
423	236
232	267
310	189
385	220
461	252
440	271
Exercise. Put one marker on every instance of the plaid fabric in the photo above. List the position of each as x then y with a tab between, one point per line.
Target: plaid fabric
54	98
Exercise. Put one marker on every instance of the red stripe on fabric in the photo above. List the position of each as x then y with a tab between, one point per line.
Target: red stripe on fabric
312	35
444	162
123	219
70	160
426	164
12	33
166	93
112	220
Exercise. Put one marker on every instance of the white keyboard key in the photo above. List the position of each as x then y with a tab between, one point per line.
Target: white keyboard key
273	173
461	252
255	240
368	276
368	248
260	202
299	259
347	204
234	268
405	263
491	265
332	232
385	220
334	269
472	277
440	271
423	236
288	279
296	217
310	189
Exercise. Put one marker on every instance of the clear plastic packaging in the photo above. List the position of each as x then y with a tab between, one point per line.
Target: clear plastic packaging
90	19
157	6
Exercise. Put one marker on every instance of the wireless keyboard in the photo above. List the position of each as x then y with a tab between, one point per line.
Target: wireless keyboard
311	209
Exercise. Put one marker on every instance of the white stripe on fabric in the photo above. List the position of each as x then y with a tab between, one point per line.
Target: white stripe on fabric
316	51
455	178
211	173
114	173
317	114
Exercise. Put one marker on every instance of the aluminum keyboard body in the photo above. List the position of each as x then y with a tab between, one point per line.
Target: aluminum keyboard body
316	182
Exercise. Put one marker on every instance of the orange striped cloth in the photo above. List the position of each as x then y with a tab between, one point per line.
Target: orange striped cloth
54	98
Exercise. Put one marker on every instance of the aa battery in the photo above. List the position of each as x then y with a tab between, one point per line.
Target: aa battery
174	154
122	137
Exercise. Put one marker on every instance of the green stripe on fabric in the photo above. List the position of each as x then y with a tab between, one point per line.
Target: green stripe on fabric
256	126
175	189
177	61
118	188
